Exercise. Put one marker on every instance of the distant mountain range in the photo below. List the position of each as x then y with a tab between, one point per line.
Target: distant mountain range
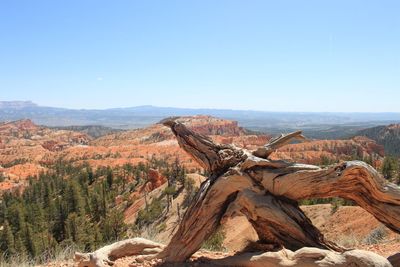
17	104
329	125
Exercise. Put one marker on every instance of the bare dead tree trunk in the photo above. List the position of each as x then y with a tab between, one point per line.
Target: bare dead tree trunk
221	189
266	192
354	180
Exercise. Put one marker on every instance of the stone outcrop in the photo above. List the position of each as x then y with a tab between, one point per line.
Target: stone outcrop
318	151
155	180
23	142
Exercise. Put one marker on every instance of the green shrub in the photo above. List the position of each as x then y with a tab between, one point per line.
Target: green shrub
149	214
2	177
376	235
170	190
215	241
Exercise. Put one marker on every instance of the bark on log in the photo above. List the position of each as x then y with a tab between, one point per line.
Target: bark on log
213	157
354	180
278	221
106	256
215	195
241	178
274	144
202	218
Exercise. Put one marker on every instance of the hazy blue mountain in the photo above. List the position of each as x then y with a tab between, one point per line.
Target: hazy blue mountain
133	117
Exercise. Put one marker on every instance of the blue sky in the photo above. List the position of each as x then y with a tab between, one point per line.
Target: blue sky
261	55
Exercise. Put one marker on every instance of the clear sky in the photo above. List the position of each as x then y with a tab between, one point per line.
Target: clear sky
321	55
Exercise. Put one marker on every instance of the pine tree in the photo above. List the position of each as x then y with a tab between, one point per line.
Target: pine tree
20	247
95	207
7	244
74	228
3	212
104	200
114	226
59	226
97	238
109	178
54	210
90	175
15	216
390	167
30	241
73	198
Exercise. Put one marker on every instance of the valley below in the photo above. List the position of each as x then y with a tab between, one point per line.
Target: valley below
87	190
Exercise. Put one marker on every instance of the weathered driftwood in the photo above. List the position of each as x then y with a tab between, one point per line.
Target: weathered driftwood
214	157
142	250
266	191
285	183
220	190
106	256
305	257
354	180
274	144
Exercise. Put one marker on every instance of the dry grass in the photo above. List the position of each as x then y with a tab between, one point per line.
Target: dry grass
16	260
61	257
349	241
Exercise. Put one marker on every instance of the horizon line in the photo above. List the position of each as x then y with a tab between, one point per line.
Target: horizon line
200	108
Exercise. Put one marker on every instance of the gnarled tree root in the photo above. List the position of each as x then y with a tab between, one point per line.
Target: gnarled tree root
144	249
106	256
305	257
